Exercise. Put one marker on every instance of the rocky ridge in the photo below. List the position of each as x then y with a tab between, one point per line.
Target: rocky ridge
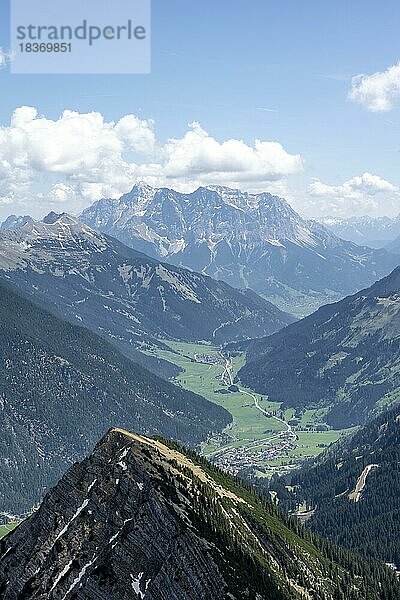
126	297
142	519
247	240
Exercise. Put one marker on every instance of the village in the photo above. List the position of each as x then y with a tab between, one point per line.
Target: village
255	455
235	459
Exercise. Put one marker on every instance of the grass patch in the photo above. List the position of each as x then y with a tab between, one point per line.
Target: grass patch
5	529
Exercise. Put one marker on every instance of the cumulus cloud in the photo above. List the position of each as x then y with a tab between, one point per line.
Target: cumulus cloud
60	193
202	156
359	195
75	144
82	157
378	92
79	150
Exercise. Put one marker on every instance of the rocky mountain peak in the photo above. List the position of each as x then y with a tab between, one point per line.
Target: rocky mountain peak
171	220
253	240
141	518
14	222
56	228
140	195
52	217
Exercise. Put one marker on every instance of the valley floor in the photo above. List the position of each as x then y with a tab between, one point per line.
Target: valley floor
261	439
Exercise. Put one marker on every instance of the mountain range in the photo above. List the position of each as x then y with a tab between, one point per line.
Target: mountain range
344	358
128	298
62	387
352	491
247	240
14	222
142	518
376	232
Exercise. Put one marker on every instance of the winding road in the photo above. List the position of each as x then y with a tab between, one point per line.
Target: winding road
227	379
228	374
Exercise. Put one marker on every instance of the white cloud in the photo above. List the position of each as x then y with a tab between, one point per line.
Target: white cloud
60	193
199	155
377	92
364	194
76	149
76	144
81	157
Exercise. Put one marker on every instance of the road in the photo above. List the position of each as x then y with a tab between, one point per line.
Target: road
228	379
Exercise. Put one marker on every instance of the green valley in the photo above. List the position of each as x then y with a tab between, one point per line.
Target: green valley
263	439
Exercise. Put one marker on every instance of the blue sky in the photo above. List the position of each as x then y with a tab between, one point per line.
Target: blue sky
272	71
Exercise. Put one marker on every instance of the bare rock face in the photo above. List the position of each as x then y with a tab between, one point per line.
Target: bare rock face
140	519
247	240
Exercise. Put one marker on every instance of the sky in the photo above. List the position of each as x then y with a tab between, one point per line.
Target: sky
301	99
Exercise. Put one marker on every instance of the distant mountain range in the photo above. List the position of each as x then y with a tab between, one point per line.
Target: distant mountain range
62	387
130	299
345	357
354	490
144	519
247	240
14	222
376	232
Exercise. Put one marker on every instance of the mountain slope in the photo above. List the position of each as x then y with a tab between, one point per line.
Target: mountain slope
141	519
375	232
61	387
247	240
394	246
127	297
345	356
354	490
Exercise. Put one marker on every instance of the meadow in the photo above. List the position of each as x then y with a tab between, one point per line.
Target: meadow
249	424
